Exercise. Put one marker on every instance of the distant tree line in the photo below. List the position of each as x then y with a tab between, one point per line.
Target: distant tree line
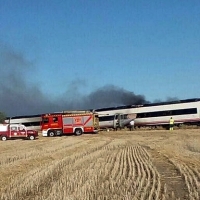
2	117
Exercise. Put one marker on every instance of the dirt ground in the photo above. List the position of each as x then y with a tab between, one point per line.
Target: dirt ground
139	164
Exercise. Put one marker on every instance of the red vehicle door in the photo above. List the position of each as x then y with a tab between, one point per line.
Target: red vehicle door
17	131
22	132
14	131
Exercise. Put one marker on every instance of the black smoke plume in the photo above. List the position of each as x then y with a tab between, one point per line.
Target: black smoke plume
111	95
18	97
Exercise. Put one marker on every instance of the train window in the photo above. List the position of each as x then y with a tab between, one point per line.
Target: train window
165	113
31	124
140	115
118	116
177	112
126	116
121	117
168	113
185	111
191	111
153	114
106	118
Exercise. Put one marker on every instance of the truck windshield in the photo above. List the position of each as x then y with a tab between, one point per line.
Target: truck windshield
45	120
21	128
13	128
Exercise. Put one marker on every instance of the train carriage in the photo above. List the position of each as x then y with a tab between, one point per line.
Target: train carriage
183	112
152	114
158	114
30	121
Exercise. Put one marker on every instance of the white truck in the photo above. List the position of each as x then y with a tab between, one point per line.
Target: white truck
12	131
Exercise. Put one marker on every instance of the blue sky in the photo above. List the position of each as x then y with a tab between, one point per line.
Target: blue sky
150	48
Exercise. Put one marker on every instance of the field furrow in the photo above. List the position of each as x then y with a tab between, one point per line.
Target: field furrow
111	165
191	176
44	176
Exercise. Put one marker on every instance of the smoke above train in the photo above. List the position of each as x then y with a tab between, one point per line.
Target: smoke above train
19	97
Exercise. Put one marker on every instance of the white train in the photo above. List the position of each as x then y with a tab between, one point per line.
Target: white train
32	122
153	114
114	121
158	114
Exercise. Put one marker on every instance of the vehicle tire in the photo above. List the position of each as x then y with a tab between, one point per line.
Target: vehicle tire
3	138
78	131
31	137
51	133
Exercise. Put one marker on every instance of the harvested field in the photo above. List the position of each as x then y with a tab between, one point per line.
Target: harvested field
129	165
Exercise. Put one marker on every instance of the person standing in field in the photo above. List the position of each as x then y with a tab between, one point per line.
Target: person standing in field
117	125
171	124
132	125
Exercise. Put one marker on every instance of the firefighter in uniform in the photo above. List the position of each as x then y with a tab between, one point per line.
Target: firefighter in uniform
171	124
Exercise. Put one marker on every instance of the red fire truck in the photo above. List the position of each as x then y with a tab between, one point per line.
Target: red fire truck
69	122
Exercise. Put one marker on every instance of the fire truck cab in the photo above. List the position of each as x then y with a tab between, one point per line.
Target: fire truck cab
69	122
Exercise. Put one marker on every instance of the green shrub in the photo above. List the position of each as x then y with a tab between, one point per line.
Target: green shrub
2	117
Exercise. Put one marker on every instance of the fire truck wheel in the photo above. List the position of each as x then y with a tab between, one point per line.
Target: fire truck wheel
3	138
51	133
78	131
31	137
